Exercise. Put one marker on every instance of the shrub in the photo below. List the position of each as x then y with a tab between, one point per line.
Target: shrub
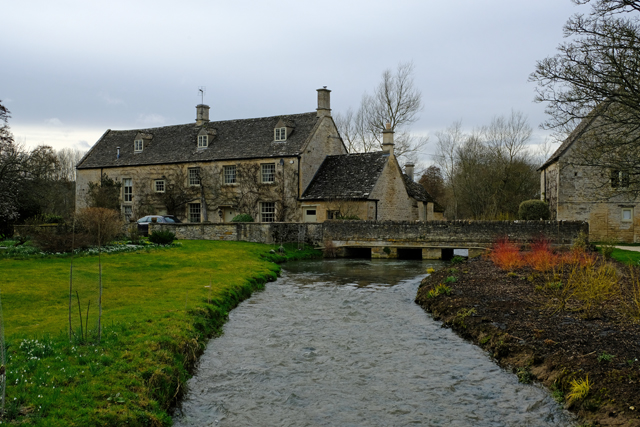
101	223
61	239
593	285
162	237
579	389
242	218
506	255
541	257
534	210
456	260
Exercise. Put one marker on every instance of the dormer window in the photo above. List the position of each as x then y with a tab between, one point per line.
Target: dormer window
138	145
203	141
281	134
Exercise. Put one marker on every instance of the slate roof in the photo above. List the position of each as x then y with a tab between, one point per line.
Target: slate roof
419	193
233	139
347	176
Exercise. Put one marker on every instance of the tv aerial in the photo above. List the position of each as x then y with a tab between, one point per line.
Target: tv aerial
202	90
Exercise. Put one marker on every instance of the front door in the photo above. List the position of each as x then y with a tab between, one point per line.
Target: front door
310	214
228	214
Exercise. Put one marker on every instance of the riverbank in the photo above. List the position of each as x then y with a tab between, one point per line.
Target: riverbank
160	308
513	317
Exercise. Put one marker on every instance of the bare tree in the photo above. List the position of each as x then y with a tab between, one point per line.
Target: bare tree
487	172
68	158
595	78
395	100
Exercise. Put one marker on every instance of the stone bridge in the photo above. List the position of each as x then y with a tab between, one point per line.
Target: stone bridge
441	239
389	239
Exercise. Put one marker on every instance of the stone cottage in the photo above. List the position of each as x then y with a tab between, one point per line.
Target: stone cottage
280	168
586	193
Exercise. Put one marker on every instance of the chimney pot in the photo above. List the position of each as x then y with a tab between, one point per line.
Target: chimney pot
117	152
408	169
202	114
324	102
387	140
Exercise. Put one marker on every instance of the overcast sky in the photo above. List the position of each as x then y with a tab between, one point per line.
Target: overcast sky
70	70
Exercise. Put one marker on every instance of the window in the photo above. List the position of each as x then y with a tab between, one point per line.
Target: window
159	185
194	176
268	172
202	141
230	174
627	214
138	144
194	212
619	179
128	213
127	185
281	134
333	214
267	211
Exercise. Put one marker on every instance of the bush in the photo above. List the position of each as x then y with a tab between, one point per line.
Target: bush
506	255
162	237
242	218
534	210
101	223
61	239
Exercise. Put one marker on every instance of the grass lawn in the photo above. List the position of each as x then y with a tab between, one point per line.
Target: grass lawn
156	319
628	257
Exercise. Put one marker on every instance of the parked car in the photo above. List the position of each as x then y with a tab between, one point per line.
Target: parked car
143	223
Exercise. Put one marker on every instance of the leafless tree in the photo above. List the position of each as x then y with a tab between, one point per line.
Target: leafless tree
595	78
487	172
395	100
68	158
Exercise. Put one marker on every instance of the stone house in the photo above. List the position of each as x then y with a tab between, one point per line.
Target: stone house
586	193
272	168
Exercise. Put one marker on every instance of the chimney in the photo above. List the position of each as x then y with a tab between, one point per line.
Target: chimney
408	169
387	139
202	114
324	102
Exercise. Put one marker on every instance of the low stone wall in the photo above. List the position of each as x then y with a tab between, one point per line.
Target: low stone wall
274	232
453	233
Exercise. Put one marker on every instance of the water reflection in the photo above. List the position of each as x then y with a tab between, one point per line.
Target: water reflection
341	343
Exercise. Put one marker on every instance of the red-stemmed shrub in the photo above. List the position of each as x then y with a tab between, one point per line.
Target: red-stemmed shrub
541	257
506	255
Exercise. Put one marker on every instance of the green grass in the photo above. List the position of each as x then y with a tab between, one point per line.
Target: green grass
627	257
156	319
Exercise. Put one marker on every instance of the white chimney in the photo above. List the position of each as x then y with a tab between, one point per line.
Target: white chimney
324	102
387	139
408	169
202	114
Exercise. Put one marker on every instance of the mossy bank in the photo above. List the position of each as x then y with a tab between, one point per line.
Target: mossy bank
160	308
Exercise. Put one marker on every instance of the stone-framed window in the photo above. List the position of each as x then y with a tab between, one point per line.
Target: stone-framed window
127	190
159	185
128	212
138	145
194	212
194	176
619	179
229	174
203	141
267	211
280	134
627	215
268	173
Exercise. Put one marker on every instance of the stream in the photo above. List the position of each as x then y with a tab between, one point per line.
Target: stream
341	343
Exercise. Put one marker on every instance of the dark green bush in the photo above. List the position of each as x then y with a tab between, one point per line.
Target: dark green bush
534	210
162	237
242	218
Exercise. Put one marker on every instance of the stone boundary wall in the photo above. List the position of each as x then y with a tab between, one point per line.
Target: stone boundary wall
270	233
453	233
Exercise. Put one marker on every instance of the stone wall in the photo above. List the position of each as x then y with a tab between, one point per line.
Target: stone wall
270	233
458	234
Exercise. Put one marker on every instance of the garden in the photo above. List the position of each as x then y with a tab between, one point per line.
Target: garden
567	319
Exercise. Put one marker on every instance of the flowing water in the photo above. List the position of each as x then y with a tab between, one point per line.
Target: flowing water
341	343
